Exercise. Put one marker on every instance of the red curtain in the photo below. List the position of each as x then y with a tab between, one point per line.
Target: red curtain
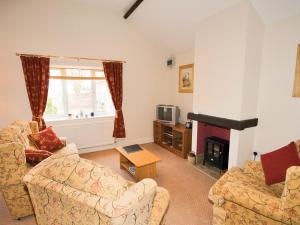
36	73
114	76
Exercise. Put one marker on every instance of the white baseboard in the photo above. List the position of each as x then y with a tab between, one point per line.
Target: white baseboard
118	143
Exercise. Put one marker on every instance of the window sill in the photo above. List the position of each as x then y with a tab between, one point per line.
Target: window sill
78	120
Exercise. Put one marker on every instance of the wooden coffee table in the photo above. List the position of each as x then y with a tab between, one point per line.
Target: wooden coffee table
140	164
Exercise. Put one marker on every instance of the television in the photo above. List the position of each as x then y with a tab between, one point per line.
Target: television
167	113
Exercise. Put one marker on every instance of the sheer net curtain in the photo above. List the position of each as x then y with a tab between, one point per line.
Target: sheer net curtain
36	74
114	76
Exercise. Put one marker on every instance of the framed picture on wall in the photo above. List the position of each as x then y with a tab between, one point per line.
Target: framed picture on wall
186	78
296	91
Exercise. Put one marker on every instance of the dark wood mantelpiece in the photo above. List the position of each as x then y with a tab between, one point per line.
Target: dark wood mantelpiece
223	122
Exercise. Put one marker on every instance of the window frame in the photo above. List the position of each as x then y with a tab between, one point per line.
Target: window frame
64	78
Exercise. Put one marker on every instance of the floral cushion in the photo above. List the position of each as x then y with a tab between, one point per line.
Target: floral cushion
34	156
86	176
46	140
254	169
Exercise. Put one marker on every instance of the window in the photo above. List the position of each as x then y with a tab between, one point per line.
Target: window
78	92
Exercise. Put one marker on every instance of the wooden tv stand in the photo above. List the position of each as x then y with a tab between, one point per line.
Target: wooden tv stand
175	138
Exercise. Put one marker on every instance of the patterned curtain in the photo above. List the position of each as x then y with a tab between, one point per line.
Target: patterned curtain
36	73
114	76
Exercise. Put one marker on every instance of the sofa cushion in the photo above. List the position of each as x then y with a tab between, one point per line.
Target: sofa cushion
277	162
84	175
34	156
46	140
237	176
254	168
67	150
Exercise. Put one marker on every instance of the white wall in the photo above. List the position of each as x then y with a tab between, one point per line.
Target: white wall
227	65
219	63
183	100
71	28
252	66
278	111
228	57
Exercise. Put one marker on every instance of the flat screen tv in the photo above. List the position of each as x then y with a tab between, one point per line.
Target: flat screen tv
167	113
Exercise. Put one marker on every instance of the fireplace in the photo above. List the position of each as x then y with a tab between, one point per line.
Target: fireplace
216	152
206	130
237	132
207	138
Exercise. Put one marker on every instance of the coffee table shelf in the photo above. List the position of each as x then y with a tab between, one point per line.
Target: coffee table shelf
126	166
143	162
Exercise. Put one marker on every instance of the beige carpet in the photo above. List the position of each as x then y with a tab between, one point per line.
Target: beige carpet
188	188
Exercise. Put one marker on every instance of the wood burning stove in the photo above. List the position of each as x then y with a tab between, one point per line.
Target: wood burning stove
216	152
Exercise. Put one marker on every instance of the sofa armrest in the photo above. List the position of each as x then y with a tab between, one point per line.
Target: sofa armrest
12	163
134	205
63	140
135	197
254	168
254	200
160	206
291	194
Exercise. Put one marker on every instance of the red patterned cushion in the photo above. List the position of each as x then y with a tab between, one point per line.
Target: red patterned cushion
35	156
46	140
276	163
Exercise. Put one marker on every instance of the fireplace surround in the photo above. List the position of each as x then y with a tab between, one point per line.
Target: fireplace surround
223	122
235	131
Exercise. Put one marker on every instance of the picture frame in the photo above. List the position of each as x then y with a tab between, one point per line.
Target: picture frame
296	89
186	78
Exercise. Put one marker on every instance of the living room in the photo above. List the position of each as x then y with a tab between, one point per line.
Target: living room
244	57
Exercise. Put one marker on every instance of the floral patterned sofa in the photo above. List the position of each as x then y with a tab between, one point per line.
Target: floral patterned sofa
73	190
242	197
13	166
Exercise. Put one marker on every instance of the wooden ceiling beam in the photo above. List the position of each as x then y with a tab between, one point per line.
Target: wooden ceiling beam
132	8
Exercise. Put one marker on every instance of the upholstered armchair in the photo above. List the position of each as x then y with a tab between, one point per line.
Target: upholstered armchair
72	190
13	166
241	196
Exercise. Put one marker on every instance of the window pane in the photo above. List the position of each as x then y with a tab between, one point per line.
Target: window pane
85	73
72	72
99	74
55	72
104	104
55	107
80	97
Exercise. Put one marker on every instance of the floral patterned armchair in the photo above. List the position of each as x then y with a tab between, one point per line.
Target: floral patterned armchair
241	196
13	166
72	190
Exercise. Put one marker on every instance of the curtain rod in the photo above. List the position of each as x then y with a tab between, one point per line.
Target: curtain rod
70	57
